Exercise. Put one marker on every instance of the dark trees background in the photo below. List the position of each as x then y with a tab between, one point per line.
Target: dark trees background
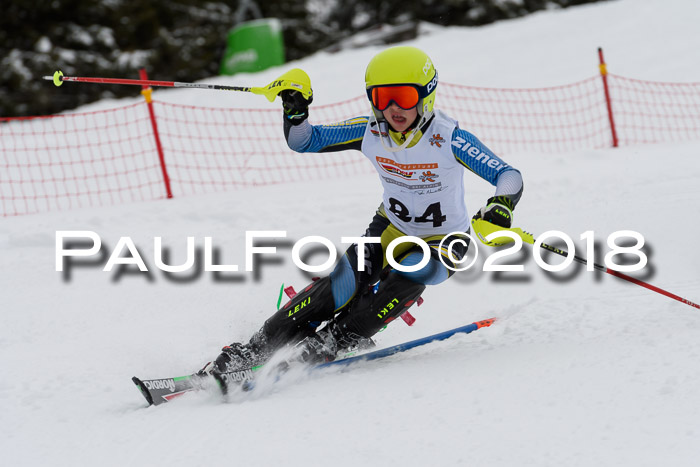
184	40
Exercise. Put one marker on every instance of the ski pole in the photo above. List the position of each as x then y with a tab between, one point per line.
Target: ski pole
484	228
600	267
295	80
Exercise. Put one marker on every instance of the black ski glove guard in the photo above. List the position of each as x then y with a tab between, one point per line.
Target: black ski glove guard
498	211
296	108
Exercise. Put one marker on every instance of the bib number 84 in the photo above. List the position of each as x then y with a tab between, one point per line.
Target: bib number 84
433	213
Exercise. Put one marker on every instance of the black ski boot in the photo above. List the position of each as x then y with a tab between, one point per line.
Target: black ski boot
239	356
329	342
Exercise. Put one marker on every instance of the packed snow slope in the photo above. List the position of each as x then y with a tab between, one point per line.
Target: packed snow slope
581	369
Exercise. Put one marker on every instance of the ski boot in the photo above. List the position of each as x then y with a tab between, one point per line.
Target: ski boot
367	314
239	356
326	344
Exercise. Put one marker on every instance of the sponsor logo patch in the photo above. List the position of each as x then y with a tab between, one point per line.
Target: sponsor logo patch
428	176
395	171
238	376
437	140
411	187
389	306
475	153
432	84
426	68
405	171
168	384
354	121
299	306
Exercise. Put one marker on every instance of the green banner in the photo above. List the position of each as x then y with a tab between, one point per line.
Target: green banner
253	46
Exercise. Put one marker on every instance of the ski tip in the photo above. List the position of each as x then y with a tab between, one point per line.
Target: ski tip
143	389
485	323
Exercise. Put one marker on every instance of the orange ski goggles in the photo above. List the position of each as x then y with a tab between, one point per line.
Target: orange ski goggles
405	96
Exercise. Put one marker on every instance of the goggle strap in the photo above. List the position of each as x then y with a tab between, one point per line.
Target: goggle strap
405	144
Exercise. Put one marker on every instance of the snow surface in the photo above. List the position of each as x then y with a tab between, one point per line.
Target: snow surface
582	369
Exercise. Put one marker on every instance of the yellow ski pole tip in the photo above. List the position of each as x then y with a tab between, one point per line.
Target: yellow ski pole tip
57	78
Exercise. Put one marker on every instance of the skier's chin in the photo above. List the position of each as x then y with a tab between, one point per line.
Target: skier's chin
399	124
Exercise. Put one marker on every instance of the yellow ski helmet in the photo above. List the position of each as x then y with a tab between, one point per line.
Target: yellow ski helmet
403	65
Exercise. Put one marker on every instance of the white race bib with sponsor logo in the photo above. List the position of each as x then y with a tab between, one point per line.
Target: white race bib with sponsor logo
423	185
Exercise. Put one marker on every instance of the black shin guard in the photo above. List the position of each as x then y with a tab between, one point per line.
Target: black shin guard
301	315
371	311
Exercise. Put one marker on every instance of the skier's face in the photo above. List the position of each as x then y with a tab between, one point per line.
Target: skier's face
400	119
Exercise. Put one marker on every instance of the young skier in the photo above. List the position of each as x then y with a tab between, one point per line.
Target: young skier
420	155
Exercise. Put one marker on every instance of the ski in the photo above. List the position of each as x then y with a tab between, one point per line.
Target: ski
159	391
394	349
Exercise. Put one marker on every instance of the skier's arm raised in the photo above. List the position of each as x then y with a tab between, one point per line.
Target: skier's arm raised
301	136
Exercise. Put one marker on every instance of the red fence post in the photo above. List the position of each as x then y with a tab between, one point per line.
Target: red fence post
604	75
146	91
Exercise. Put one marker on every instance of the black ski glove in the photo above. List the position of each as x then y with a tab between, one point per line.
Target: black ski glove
498	210
296	107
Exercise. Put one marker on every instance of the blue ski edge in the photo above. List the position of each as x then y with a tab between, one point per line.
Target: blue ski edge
381	353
